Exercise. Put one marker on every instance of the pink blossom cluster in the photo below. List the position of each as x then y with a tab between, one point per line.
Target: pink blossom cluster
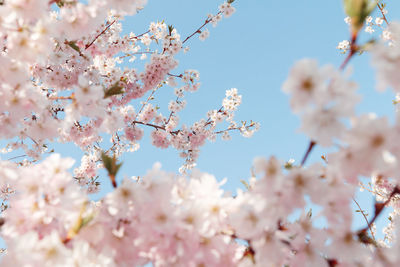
145	220
63	79
171	220
323	97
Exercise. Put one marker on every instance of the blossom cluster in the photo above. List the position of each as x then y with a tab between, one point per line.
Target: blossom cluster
69	77
171	220
323	97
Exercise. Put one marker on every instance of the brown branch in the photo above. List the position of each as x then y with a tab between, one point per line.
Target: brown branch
353	50
209	119
201	27
94	40
140	35
227	130
379	207
309	149
21	156
380	6
175	75
149	124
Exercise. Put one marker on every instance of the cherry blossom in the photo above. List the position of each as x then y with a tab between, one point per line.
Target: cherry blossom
62	81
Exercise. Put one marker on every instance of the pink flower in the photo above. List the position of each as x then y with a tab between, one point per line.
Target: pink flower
160	139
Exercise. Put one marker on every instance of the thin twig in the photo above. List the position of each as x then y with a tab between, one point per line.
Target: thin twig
94	40
149	124
17	157
147	100
353	50
201	27
379	207
365	217
140	35
175	75
380	6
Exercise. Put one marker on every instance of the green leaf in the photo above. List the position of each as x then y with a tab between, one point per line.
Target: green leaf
60	3
86	220
117	167
358	11
170	29
73	45
110	163
231	1
115	89
245	184
107	161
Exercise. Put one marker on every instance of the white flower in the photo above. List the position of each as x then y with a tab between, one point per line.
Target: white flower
204	35
378	21
369	29
305	81
146	40
322	125
344	45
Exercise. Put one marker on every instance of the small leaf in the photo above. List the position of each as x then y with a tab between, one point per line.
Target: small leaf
107	161
110	163
289	164
245	184
170	29
60	3
86	220
73	45
115	89
117	167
